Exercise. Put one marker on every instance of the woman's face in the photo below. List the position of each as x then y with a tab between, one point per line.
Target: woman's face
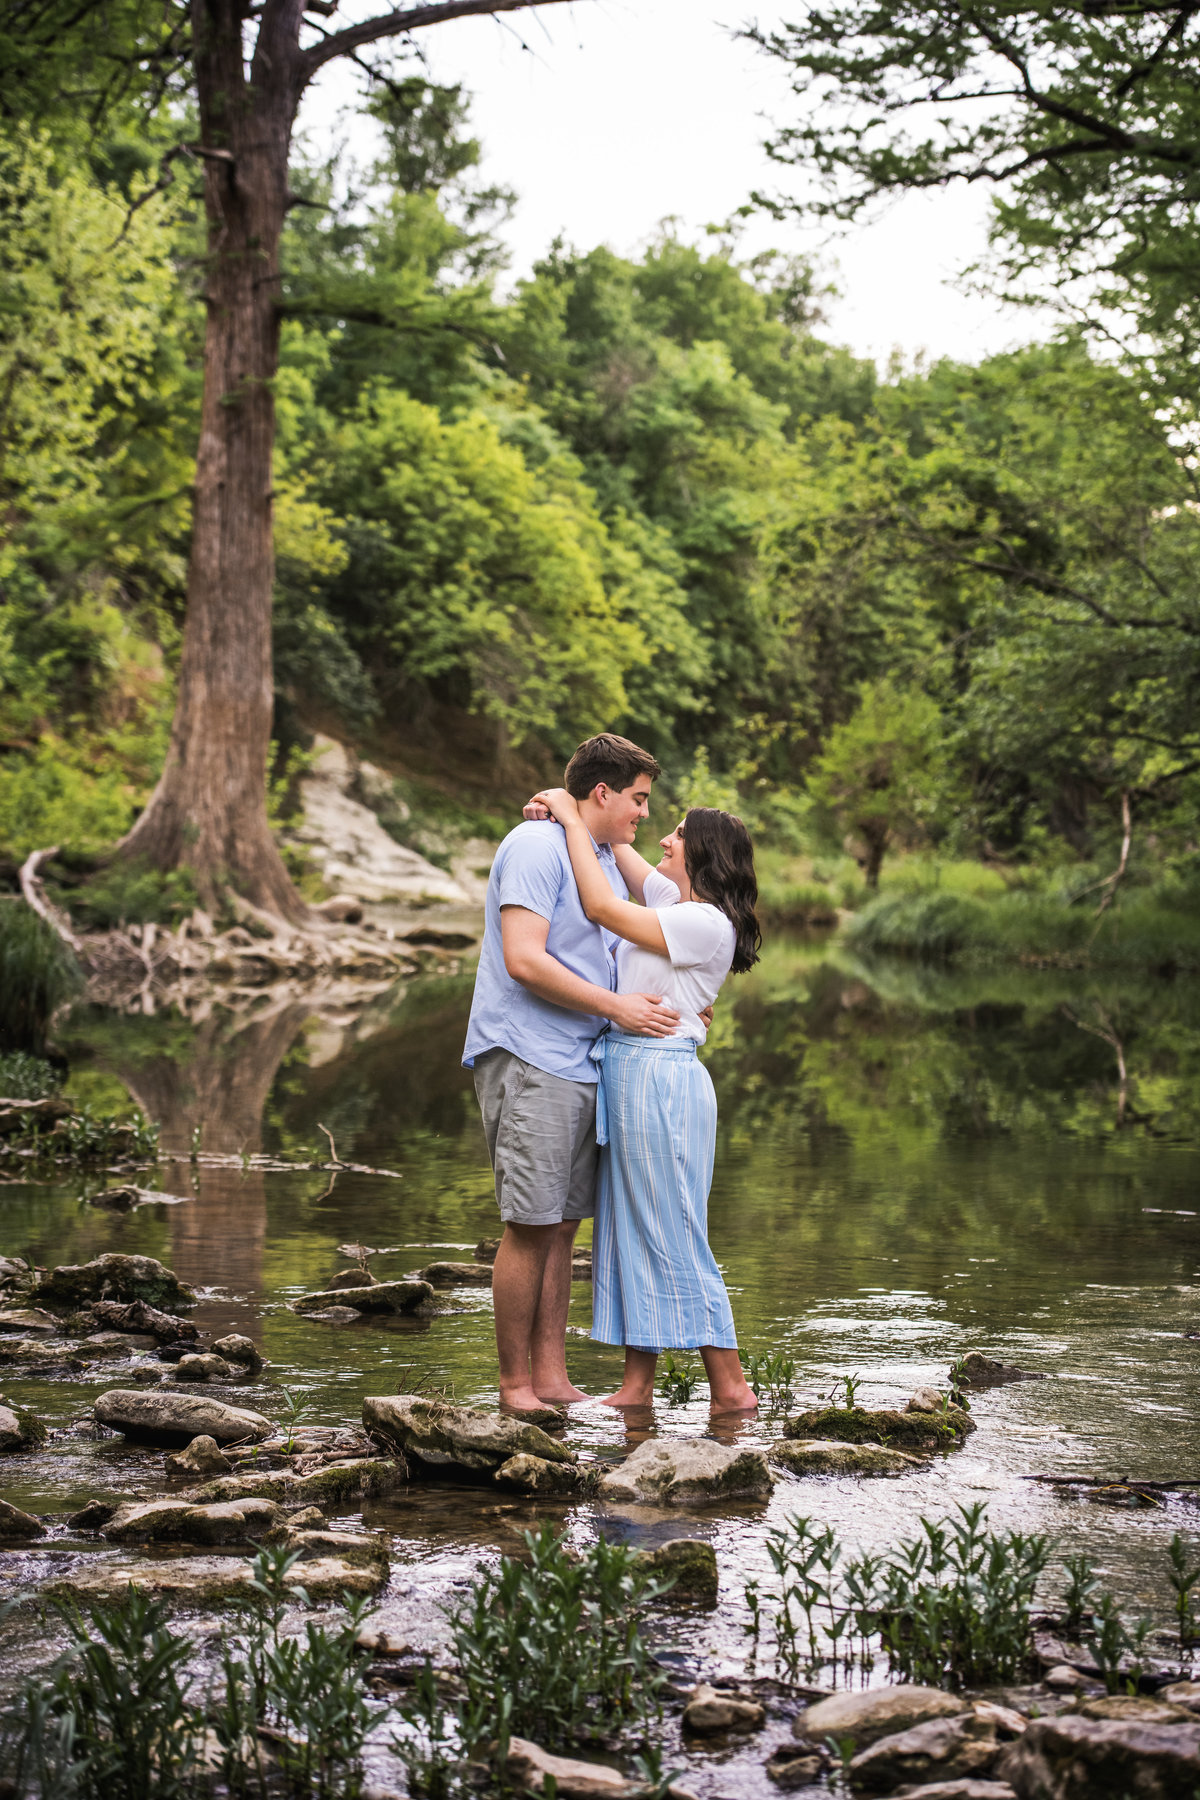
672	864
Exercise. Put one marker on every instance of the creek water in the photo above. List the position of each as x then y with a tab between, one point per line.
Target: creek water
911	1164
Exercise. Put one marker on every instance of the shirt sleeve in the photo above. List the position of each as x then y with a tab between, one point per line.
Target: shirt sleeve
531	874
658	891
694	932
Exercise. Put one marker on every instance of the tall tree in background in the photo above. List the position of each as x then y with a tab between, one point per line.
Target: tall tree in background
1084	115
246	67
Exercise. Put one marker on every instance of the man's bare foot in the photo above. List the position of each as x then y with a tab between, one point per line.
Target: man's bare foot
629	1397
566	1395
742	1399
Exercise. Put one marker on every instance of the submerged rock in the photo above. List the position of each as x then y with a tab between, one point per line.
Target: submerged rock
381	1297
166	1418
17	1527
136	1315
534	1475
241	1350
210	1580
1076	1758
689	1472
363	1549
690	1563
439	1436
979	1371
530	1768
201	1458
823	1456
711	1712
874	1713
114	1276
19	1428
458	1274
896	1430
951	1748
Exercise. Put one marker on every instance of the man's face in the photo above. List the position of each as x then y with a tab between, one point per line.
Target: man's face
621	811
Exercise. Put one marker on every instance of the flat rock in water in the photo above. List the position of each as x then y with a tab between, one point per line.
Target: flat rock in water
528	1767
690	1563
19	1429
362	1548
1181	1693
166	1418
711	1712
17	1527
979	1371
534	1475
440	1436
137	1315
951	1748
688	1472
182	1522
346	1483
1075	1758
897	1430
207	1367
381	1297
824	1456
45	1353
970	1787
458	1274
875	1713
1145	1709
209	1580
28	1318
113	1276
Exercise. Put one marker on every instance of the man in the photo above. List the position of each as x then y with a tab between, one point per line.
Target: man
543	991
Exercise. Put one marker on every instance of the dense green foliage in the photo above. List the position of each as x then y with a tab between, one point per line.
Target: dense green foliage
37	974
952	608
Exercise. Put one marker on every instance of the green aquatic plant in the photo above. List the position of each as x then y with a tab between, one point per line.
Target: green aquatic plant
294	1408
563	1627
1082	1583
772	1375
844	1390
677	1381
1117	1646
25	1077
1184	1581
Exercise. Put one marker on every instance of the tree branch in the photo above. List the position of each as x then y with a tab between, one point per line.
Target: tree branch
398	23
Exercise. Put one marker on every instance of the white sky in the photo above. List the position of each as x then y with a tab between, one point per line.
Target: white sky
620	113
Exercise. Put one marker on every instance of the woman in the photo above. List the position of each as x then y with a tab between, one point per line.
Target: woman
656	1283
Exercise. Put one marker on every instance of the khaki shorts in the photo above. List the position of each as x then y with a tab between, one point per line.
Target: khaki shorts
541	1137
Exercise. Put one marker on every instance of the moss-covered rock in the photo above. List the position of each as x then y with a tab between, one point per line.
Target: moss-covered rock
534	1475
435	1435
822	1456
210	1580
690	1563
113	1276
344	1484
413	1297
19	1428
898	1430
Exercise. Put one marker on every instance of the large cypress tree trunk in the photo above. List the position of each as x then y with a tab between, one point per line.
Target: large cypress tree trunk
208	811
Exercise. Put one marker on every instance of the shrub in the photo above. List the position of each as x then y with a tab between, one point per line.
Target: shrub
24	1077
930	925
134	893
37	974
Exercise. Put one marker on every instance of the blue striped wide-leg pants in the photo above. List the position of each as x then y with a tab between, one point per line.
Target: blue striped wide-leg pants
656	1284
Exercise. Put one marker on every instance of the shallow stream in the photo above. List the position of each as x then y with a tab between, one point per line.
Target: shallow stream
910	1165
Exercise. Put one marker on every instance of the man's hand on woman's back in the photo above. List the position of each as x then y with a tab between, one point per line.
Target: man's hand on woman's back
643	1015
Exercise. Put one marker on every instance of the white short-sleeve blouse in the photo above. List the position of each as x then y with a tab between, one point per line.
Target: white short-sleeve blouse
700	944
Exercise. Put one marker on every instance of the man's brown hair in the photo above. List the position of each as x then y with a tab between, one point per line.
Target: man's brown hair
609	759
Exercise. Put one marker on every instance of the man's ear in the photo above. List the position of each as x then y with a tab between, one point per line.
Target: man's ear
600	793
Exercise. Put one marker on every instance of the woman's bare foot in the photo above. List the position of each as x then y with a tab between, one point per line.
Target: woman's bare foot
627	1396
742	1399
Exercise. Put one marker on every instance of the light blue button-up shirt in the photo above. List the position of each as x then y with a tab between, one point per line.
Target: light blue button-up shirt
532	869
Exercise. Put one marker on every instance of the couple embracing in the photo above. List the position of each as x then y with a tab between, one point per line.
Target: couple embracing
587	1015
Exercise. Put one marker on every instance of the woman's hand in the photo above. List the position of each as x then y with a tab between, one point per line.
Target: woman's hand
558	803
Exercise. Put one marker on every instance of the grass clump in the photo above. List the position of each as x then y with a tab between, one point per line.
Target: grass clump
678	1381
37	975
133	893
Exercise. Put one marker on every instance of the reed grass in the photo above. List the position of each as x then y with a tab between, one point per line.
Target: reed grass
37	975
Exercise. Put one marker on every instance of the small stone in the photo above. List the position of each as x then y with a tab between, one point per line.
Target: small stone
458	1274
1008	1722
361	1549
342	909
925	1400
1181	1693
116	1199
688	1472
351	1278
413	1297
875	1713
486	1248
534	1475
241	1350
19	1429
825	1456
309	1518
530	1767
950	1748
202	1368
198	1461
92	1516
788	1771
690	1563
712	1711
980	1371
1064	1678
17	1526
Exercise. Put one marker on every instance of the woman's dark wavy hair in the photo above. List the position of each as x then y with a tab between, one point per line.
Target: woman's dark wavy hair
719	858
